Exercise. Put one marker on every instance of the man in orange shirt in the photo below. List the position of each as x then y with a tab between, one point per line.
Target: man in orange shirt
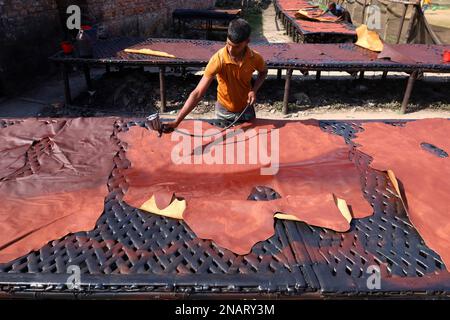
233	66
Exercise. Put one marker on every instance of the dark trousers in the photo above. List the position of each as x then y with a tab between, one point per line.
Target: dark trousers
223	114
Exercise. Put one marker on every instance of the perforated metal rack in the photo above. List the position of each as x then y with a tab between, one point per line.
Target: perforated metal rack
295	29
332	57
131	252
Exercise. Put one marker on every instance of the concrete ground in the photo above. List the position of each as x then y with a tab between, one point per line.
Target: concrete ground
273	29
45	92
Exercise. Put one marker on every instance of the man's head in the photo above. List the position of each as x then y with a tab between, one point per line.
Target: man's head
238	36
332	6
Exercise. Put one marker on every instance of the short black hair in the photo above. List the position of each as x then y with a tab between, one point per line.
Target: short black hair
239	30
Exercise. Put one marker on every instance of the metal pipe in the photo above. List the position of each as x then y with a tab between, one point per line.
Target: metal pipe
162	87
402	22
287	87
409	87
87	76
65	75
364	12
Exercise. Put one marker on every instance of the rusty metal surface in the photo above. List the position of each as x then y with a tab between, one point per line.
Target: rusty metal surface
307	27
130	251
312	31
188	52
344	56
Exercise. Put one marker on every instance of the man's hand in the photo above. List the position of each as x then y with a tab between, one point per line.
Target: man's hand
170	126
251	98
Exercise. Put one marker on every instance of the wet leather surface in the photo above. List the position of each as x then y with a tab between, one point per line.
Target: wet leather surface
394	53
406	54
314	167
424	175
53	177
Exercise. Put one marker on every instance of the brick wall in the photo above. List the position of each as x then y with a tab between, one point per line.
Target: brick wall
31	30
139	17
28	32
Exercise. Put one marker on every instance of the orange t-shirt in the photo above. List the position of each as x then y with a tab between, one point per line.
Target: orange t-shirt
234	79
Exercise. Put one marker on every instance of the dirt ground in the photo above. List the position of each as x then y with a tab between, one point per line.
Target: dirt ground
440	22
335	96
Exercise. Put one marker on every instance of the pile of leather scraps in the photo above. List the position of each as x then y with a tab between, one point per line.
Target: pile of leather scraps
368	39
312	14
207	182
53	176
418	153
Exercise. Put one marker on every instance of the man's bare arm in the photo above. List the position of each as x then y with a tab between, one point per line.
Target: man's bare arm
258	83
194	98
259	80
